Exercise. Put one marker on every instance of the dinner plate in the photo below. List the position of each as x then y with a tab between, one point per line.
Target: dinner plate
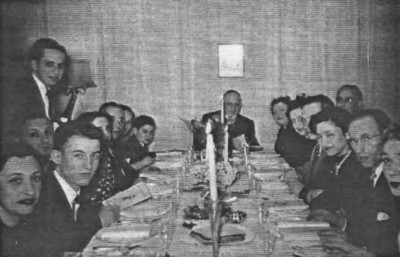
248	238
149	210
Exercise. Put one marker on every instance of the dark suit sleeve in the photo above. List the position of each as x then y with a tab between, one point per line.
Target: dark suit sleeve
250	134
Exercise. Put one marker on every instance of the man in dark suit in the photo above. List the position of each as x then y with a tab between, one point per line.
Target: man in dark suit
238	125
28	97
64	223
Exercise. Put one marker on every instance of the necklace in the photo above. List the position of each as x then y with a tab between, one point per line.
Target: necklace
338	166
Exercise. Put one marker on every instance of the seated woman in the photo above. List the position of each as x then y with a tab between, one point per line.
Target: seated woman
279	107
297	148
333	186
114	173
137	146
20	185
129	120
38	133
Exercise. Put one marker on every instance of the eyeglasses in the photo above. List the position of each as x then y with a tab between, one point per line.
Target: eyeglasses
363	139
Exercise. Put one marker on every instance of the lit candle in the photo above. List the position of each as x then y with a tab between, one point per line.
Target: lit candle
226	145
211	160
222	110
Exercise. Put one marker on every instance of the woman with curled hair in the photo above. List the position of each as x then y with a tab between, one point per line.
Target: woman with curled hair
20	185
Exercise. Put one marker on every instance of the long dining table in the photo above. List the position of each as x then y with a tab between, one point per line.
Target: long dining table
275	223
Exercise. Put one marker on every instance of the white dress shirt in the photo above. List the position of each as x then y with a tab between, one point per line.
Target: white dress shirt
377	173
69	192
43	93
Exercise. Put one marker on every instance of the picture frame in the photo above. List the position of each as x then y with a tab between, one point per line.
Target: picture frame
230	60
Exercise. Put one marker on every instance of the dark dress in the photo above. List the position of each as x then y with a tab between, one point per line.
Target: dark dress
294	148
17	241
341	191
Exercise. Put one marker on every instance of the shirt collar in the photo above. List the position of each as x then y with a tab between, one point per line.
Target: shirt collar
377	173
40	84
69	192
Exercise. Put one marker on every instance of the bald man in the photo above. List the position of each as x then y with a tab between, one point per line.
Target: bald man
238	125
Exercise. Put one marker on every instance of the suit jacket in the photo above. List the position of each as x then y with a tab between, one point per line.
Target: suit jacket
54	218
374	224
135	150
20	101
242	126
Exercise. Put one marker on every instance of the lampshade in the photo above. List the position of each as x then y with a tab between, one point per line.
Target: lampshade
78	74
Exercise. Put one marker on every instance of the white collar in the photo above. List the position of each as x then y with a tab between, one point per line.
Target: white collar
43	93
377	173
40	84
69	192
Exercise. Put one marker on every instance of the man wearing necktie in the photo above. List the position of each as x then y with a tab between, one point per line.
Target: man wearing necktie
28	96
64	224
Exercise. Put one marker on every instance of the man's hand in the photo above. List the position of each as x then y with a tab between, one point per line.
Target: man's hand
109	214
313	194
335	241
147	161
335	219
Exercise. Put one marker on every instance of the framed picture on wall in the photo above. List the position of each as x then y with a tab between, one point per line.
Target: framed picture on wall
230	61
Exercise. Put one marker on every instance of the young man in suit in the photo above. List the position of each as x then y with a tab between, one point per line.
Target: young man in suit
28	97
64	224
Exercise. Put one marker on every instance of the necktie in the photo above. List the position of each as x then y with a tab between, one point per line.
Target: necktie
75	205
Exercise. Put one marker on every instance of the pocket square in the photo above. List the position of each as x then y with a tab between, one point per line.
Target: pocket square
382	216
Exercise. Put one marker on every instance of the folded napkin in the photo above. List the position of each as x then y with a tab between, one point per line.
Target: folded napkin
301	224
126	232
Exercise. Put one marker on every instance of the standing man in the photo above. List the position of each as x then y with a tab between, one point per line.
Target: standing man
349	97
64	223
28	97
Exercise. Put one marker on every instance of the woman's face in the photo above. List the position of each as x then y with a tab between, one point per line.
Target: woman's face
297	121
279	113
391	162
20	184
332	139
145	134
39	134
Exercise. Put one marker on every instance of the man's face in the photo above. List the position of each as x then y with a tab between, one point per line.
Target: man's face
50	68
347	100
20	184
39	134
391	168
279	113
103	124
364	138
297	121
128	121
145	134
232	105
78	160
118	123
308	111
331	139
